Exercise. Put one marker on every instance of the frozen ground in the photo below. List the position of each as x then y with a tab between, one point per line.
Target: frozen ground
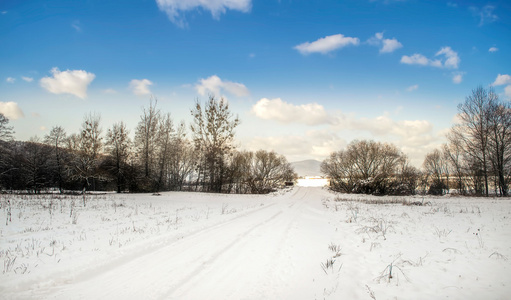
306	243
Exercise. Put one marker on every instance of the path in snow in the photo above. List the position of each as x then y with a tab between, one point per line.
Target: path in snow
270	253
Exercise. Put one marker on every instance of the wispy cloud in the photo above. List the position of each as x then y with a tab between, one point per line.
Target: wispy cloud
140	87
485	14
327	44
413	88
217	86
77	26
11	110
109	91
27	79
493	49
10	79
74	82
450	59
175	9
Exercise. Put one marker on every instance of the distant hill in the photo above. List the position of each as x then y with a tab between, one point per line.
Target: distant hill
308	167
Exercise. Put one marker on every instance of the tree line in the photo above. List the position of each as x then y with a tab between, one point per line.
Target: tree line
477	157
475	160
162	156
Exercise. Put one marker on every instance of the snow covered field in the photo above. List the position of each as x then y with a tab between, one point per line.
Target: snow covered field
303	243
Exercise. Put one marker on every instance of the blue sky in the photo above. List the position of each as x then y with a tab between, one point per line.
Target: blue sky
305	77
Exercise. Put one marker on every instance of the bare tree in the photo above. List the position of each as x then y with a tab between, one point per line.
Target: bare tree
146	138
213	135
474	130
164	149
56	139
436	169
454	156
87	146
269	171
182	158
340	168
367	167
499	116
35	166
6	131
118	145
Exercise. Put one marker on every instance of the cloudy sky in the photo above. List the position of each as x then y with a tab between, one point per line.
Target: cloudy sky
305	77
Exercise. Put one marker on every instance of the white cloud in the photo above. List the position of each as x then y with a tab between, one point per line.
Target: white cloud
507	91
27	79
493	49
278	110
11	110
413	88
216	86
416	59
502	80
384	125
316	144
327	44
414	137
176	8
390	45
485	14
74	82
451	59
140	87
10	79
387	45
457	78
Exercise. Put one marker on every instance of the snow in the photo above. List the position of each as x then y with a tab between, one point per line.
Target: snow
300	243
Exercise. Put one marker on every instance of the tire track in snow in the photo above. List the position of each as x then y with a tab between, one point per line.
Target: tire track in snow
256	250
57	281
201	268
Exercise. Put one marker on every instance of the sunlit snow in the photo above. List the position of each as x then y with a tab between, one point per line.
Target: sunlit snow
301	243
